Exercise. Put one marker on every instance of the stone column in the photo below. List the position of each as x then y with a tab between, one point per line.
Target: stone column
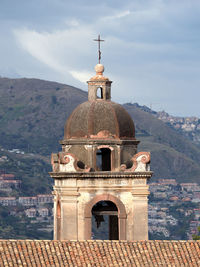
90	150
140	212
55	217
69	218
67	194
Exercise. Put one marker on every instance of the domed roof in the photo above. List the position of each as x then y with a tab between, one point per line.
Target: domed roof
99	119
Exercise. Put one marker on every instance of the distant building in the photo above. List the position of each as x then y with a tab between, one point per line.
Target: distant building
7	176
15	184
43	212
190	187
28	201
42	199
167	182
174	198
31	213
8	201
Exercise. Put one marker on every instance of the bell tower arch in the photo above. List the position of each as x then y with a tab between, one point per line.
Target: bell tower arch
120	213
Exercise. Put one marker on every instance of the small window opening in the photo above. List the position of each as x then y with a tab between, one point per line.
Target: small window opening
81	165
129	164
105	221
100	93
103	159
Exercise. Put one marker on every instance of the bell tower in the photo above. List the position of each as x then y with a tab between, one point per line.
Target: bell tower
99	177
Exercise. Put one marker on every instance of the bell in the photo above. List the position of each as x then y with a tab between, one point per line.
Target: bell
98	220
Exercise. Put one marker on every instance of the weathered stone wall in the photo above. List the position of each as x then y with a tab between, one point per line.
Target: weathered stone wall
77	194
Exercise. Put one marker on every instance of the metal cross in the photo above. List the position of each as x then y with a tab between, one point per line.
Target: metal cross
99	51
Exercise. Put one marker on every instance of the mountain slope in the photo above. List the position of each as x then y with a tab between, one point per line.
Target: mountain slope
173	156
32	117
33	113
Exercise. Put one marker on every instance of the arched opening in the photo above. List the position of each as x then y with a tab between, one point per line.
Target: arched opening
103	159
100	93
81	165
105	221
58	219
121	215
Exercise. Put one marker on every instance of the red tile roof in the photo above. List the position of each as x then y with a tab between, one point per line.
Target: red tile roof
99	253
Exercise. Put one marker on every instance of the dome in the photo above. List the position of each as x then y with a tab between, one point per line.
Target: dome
99	119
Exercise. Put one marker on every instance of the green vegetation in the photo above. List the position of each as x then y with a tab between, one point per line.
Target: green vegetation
31	169
179	231
197	237
20	227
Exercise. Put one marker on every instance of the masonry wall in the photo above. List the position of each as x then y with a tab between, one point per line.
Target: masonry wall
77	197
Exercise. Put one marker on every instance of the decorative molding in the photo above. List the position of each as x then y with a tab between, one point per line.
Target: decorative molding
67	148
141	163
90	141
103	174
64	162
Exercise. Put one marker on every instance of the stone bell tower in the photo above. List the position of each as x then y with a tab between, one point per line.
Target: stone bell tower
99	172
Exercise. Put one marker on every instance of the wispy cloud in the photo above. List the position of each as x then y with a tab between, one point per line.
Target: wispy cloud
82	76
151	46
38	45
58	50
117	15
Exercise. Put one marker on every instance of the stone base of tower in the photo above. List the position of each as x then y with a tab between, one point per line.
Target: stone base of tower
75	195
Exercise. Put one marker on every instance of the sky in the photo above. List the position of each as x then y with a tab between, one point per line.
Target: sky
151	50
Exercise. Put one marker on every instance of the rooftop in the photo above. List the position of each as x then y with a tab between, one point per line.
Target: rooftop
99	253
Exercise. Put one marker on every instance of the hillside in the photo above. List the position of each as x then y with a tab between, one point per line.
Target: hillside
172	154
33	113
189	127
32	117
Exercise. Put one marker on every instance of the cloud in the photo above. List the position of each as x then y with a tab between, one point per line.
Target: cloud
82	76
58	50
37	45
146	15
72	22
117	15
151	46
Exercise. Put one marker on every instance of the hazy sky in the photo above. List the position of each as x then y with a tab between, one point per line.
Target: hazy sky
151	50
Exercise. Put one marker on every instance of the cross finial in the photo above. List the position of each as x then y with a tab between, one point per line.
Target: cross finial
99	50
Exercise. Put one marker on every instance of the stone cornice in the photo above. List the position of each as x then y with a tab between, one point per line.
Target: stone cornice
104	175
99	141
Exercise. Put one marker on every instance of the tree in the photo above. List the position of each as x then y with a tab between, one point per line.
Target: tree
197	237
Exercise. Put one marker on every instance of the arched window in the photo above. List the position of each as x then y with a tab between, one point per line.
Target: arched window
105	221
103	159
100	93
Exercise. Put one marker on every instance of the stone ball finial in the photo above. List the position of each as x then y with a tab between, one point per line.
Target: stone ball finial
99	68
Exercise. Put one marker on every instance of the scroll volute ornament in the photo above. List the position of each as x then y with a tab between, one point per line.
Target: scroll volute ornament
141	163
66	162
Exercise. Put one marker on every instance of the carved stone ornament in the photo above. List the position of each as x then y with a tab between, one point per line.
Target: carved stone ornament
67	148
141	163
66	162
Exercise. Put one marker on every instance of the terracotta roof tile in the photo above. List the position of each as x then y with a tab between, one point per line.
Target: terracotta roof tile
99	253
